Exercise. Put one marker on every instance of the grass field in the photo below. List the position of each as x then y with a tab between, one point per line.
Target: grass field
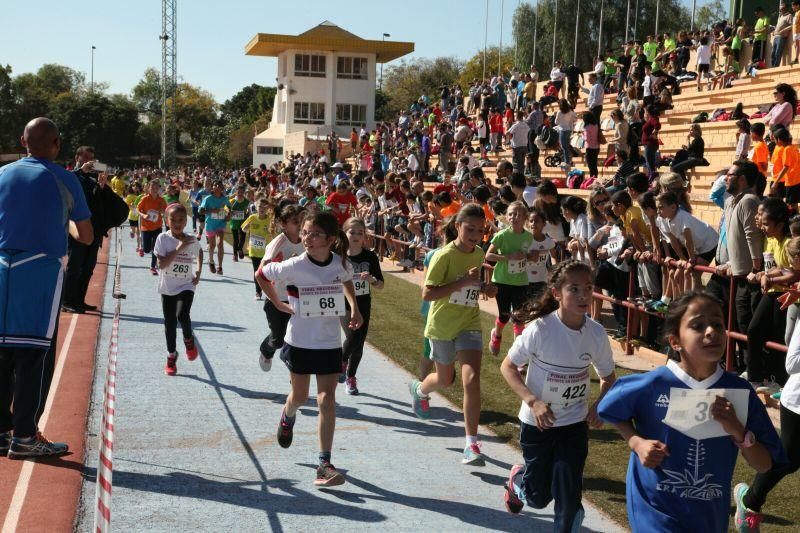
396	329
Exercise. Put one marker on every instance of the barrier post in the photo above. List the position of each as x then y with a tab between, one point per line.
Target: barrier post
729	362
631	314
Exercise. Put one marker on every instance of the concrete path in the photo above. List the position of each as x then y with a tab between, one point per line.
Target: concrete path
198	451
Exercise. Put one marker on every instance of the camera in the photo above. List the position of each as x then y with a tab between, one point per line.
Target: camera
97	166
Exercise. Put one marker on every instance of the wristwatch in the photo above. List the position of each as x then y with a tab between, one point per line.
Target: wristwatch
748	440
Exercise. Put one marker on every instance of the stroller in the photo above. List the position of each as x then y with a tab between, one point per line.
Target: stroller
546	140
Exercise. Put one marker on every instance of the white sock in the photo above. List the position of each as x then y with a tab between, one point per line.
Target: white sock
472	439
666	300
419	391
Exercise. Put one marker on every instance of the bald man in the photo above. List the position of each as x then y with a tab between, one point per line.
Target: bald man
41	203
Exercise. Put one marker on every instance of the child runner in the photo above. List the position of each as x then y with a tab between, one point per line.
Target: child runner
239	208
509	249
132	199
256	229
538	255
180	262
559	344
285	246
151	210
680	468
213	206
366	276
319	281
453	286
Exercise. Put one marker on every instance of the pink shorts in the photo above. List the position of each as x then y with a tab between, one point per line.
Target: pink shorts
219	232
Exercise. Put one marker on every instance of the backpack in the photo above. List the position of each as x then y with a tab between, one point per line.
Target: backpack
701	117
575	178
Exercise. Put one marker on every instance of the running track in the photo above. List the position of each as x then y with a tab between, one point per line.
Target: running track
198	451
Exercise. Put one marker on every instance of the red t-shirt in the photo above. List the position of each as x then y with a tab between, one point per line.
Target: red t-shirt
341	205
496	123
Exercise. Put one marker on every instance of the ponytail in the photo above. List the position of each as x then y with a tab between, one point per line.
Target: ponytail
547	303
341	246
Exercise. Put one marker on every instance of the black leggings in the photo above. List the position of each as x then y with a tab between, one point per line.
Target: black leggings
509	297
238	241
176	309
591	160
768	324
256	262
353	348
277	321
764	483
149	243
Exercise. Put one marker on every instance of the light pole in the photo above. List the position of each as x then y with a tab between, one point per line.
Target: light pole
485	37
91	85
500	47
380	87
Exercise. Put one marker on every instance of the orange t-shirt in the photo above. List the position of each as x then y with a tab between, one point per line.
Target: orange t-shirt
777	161
761	155
451	209
152	207
791	160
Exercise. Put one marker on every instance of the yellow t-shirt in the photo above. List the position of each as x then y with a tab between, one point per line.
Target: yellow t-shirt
775	257
132	200
258	228
445	319
118	185
633	219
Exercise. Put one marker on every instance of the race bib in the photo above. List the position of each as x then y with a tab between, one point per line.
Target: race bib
769	261
218	215
322	301
343	207
152	215
614	245
361	286
516	267
181	267
467	296
689	411
561	390
258	242
237	215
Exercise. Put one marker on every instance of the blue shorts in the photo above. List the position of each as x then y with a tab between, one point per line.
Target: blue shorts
30	295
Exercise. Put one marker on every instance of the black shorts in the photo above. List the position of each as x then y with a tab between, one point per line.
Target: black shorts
311	361
133	223
201	218
703	67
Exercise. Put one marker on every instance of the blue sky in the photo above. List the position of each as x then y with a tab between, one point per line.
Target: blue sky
212	35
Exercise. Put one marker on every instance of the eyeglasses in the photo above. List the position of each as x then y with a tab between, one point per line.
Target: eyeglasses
312	234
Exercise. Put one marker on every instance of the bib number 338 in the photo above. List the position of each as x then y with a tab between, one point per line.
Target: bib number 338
321	301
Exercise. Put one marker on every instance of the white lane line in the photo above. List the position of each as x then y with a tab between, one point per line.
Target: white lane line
18	499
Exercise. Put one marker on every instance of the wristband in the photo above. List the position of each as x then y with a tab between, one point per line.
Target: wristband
748	440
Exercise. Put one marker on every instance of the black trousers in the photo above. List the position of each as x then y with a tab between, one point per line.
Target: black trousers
745	302
21	379
510	297
176	309
353	348
277	321
149	243
518	158
80	267
256	262
597	111
238	240
591	160
764	483
768	324
554	461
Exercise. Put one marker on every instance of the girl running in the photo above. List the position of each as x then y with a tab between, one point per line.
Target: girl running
256	231
366	276
213	206
319	281
453	287
285	246
151	209
509	250
132	199
559	344
685	423
538	255
180	262
239	208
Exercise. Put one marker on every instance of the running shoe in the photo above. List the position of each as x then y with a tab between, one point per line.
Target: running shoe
132	235
328	476
777	395
5	443
191	349
473	456
37	446
140	252
235	258
660	307
212	267
219	270
513	504
769	387
285	431
745	520
241	254
171	368
258	297
494	342
419	404
154	271
343	375
352	386
264	362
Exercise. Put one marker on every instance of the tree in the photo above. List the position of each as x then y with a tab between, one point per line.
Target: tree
405	82
147	93
211	146
473	68
195	109
710	13
8	119
249	104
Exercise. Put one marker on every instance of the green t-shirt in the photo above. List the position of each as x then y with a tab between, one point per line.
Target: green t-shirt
670	45
239	212
611	66
761	26
650	50
172	199
507	242
446	320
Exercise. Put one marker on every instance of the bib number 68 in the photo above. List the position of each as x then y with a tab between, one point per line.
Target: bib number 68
327	303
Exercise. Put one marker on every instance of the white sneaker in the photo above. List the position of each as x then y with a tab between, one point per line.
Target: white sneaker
264	363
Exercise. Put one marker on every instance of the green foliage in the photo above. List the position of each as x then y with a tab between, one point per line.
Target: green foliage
8	136
710	13
473	68
405	82
249	104
212	145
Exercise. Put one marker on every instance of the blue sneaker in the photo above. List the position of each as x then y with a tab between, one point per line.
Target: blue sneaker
420	404
473	456
745	520
777	395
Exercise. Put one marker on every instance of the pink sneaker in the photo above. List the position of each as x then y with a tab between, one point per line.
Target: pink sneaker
513	504
494	342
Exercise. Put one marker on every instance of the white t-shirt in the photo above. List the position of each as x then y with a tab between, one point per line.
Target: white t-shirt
537	270
280	249
555	231
559	360
529	195
705	238
614	248
177	277
790	397
703	55
579	230
297	273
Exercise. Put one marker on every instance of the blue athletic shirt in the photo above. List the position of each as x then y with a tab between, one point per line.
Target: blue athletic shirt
37	200
691	489
212	202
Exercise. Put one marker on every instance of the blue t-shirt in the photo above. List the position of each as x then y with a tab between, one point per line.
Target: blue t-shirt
691	489
212	202
37	200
